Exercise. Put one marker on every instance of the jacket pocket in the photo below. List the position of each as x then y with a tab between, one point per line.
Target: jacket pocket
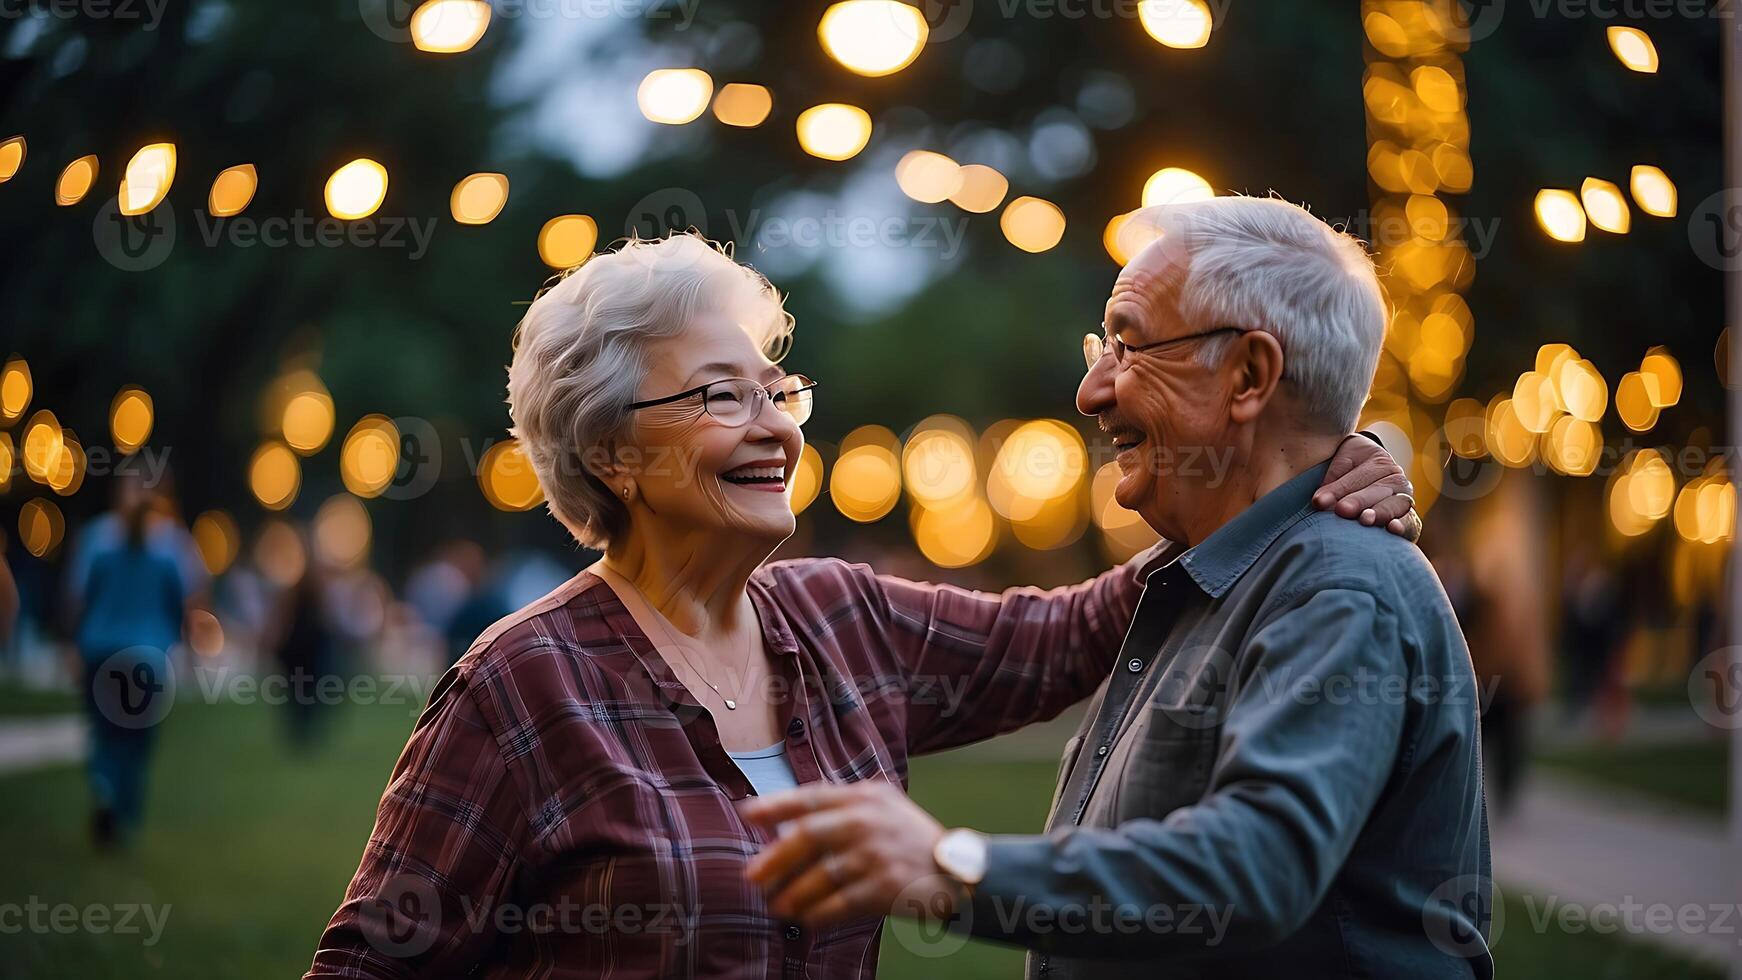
1167	761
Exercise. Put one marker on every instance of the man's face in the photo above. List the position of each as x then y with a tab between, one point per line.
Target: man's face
1162	407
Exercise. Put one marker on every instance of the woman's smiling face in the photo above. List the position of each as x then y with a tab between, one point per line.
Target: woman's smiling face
691	470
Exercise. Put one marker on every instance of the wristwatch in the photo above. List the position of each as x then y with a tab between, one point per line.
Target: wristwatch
961	854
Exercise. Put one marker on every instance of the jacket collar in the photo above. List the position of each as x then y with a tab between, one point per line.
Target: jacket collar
1223	557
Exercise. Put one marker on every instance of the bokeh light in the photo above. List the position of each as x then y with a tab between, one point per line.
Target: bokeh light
42	445
274	475
370	456
834	130
147	179
1705	509
308	420
1605	205
478	198
216	536
743	105
342	532
75	181
807	479
937	463
1653	191
15	389
280	554
40	526
1032	224
674	96
131	415
873	37
1641	492
928	177
356	189
865	483
1560	215
449	26
956	536
567	240
233	190
1636	398
1175	185
1659	364
1634	48
12	151
1176	23
507	478
982	188
69	470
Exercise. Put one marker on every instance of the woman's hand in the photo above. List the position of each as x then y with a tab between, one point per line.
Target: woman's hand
1364	483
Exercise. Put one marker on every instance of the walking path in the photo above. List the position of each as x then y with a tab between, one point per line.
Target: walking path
1663	874
32	743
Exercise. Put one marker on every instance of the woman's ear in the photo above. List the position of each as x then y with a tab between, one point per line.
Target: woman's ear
1256	362
604	462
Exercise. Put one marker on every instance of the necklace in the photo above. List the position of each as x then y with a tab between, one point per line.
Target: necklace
731	703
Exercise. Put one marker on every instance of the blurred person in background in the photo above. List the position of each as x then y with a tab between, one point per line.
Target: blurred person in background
303	647
8	600
1594	620
132	579
440	587
1510	601
588	749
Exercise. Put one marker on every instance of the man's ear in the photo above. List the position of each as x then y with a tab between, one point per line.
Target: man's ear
1255	358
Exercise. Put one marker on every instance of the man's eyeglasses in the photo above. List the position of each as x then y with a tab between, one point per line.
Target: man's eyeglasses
1094	345
733	402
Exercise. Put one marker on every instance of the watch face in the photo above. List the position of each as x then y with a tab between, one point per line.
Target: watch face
963	855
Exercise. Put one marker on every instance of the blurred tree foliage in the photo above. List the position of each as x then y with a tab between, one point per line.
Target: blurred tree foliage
1273	103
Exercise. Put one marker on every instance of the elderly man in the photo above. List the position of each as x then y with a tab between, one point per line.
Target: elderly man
1281	776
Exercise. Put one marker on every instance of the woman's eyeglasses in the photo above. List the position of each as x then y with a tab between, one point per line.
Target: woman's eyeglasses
733	402
1094	346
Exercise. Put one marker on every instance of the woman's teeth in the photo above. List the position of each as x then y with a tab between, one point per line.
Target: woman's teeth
771	477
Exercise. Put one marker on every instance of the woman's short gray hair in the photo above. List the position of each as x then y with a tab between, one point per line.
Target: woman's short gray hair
581	351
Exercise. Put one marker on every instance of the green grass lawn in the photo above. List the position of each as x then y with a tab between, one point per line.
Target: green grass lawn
23	702
250	848
1693	774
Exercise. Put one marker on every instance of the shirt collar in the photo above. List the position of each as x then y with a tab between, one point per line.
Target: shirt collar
1219	561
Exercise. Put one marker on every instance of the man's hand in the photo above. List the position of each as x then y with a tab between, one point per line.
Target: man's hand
1365	483
844	852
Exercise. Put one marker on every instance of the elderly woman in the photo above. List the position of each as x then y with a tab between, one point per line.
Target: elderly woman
564	806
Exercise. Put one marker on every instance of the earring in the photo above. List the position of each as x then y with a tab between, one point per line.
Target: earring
625	493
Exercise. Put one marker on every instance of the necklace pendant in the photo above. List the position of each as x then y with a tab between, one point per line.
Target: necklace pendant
731	705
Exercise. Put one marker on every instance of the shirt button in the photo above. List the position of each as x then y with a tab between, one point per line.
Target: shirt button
1135	666
1102	750
795	728
793	932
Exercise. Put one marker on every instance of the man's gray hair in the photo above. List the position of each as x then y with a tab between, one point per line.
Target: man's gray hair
1266	264
582	349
